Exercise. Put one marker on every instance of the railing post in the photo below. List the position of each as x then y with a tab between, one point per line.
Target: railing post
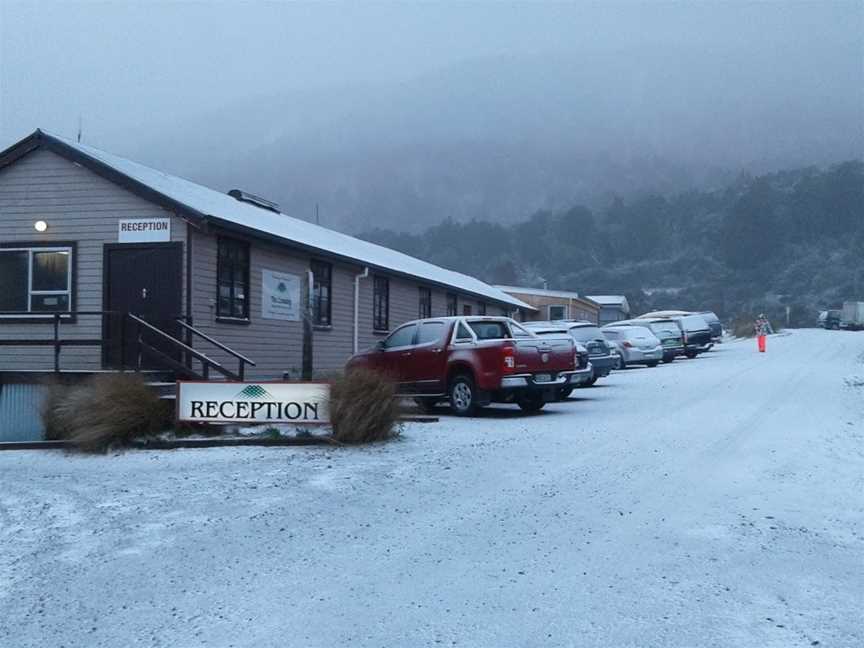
242	372
206	366
122	340
138	349
56	342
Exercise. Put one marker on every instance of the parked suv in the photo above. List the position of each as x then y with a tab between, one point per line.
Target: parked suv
695	330
587	334
666	330
637	343
714	324
472	361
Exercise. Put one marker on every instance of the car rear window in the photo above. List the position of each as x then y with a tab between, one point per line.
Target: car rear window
694	323
665	327
586	333
489	330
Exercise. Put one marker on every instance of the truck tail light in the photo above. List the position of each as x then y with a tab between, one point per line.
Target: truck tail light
628	344
509	355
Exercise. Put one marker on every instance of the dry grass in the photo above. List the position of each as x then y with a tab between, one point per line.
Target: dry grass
104	411
363	407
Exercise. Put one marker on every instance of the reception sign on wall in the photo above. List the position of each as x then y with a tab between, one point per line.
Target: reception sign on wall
244	402
280	296
144	230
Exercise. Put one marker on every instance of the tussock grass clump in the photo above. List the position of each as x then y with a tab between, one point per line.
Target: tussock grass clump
106	410
55	425
363	407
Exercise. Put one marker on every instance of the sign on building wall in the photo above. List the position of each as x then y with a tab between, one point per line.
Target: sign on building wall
280	295
245	402
144	230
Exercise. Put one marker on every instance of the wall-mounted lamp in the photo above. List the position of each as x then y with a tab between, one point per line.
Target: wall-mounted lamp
40	226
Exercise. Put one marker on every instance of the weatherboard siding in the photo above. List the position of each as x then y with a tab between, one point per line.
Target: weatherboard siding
79	206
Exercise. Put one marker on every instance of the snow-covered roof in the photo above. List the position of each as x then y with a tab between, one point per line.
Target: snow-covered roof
222	207
540	292
610	300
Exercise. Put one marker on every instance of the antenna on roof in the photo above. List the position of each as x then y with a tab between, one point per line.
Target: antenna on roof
80	127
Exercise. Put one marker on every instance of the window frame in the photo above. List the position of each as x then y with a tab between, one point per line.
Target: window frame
425	302
231	318
563	308
481	309
378	281
317	320
71	281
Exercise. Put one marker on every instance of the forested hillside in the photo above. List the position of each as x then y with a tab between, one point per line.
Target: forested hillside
791	238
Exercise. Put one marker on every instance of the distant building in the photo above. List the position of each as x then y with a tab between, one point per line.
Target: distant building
613	308
554	304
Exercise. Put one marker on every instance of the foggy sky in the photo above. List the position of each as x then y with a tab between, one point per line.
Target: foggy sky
329	95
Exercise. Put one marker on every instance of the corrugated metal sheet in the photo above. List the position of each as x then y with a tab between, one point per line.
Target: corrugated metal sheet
19	412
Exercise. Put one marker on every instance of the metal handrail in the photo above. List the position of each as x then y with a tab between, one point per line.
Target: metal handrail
215	343
197	354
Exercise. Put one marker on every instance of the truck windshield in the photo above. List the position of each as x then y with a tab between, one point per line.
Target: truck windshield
489	330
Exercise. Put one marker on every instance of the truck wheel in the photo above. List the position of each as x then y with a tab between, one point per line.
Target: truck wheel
530	402
669	359
652	364
462	395
425	403
621	364
564	393
590	383
690	354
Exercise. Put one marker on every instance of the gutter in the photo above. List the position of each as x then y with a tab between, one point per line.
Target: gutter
357	278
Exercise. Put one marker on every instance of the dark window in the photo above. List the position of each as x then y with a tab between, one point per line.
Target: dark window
425	303
481	308
466	309
557	312
232	279
462	333
489	330
36	279
401	337
381	303
322	289
430	332
452	307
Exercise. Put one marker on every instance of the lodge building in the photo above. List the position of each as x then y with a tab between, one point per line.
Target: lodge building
97	237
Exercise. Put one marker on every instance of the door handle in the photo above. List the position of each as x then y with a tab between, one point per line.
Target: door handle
437	350
406	353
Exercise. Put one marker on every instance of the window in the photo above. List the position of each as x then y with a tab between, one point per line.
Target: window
481	308
430	332
466	309
381	303
401	337
36	279
452	305
425	303
463	334
518	331
322	278
489	330
557	312
232	279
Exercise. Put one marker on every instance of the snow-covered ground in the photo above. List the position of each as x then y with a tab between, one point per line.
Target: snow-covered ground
714	502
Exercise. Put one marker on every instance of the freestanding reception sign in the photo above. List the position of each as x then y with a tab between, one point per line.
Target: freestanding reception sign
253	402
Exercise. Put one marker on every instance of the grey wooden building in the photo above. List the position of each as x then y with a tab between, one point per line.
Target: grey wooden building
94	245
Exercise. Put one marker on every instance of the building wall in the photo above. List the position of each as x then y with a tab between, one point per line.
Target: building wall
575	308
82	207
79	206
610	314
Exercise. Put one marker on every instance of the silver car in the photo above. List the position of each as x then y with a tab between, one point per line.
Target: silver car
638	344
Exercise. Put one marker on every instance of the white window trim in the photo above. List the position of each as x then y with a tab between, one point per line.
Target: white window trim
30	292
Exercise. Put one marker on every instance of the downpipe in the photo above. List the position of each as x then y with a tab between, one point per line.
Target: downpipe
357	278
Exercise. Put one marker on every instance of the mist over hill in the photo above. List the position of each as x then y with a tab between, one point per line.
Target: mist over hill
791	238
498	138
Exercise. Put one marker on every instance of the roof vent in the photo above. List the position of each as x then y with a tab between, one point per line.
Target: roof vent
252	199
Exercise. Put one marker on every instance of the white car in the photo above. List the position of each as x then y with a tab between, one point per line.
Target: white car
638	345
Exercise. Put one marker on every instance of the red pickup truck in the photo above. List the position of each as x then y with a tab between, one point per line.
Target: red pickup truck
473	361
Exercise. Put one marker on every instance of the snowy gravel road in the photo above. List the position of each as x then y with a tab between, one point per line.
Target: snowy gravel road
713	502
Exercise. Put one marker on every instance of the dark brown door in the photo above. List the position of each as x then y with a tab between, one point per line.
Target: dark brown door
144	280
